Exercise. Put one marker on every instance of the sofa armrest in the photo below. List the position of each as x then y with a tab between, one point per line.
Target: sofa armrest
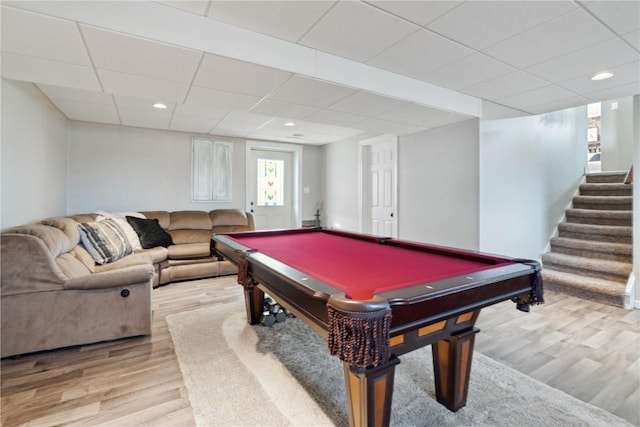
112	278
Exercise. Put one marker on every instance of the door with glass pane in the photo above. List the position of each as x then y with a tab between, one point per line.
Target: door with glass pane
270	184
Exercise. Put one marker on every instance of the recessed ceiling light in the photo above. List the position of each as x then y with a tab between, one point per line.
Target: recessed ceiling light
290	124
159	106
602	76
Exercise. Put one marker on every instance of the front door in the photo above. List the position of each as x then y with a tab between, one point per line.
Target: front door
270	188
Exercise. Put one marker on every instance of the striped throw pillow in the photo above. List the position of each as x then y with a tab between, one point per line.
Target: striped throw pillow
104	240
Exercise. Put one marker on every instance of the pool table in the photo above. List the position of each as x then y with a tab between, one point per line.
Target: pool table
374	299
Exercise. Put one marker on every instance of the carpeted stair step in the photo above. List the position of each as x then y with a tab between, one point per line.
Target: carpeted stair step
605	189
613	203
614	177
599	290
597	217
602	233
621	252
614	271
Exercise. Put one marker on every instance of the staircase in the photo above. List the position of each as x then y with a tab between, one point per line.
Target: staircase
592	255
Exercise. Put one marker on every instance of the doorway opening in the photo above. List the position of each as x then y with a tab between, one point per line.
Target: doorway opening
594	131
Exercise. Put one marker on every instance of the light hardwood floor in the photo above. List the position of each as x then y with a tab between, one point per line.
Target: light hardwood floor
588	350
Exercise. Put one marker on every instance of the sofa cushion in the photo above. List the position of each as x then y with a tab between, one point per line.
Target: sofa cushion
150	232
84	257
72	266
181	237
104	240
228	217
190	250
157	253
131	260
190	220
162	217
55	240
67	226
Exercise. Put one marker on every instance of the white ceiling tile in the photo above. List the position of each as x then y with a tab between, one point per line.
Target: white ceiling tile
311	92
132	55
40	36
537	97
272	107
366	104
622	75
557	105
551	39
621	16
419	53
84	105
422	116
278	125
87	112
187	123
142	87
357	31
139	112
506	85
230	75
469	71
303	132
219	100
288	20
135	103
199	7
616	92
76	95
592	59
387	127
633	38
27	68
419	12
334	118
199	111
240	124
480	24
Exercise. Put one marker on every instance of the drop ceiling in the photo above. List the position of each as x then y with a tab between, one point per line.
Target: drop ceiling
337	69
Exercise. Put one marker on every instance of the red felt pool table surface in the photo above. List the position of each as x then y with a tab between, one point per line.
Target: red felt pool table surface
362	268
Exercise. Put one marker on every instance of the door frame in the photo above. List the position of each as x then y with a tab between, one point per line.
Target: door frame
296	179
364	184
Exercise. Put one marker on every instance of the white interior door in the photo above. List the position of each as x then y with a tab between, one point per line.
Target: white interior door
270	184
382	187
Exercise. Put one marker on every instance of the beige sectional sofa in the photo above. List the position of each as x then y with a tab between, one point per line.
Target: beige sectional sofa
54	294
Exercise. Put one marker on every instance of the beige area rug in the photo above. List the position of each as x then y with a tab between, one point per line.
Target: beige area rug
242	375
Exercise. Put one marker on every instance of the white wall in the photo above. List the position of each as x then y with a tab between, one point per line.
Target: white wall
312	168
341	185
438	186
116	168
616	141
530	168
33	156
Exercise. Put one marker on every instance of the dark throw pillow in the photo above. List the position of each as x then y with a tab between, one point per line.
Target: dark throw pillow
150	232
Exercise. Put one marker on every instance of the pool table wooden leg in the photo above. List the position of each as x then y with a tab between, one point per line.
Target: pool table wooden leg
253	301
369	392
452	368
